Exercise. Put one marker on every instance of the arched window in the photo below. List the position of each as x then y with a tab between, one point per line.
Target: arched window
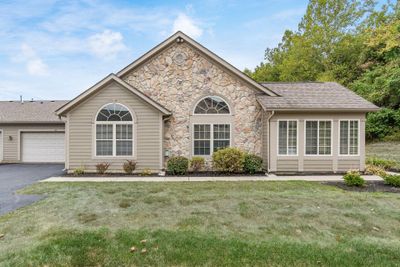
114	131
214	133
212	105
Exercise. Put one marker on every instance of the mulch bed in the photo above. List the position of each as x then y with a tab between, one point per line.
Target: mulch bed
370	186
190	174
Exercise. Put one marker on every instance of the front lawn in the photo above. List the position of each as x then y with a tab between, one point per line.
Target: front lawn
209	223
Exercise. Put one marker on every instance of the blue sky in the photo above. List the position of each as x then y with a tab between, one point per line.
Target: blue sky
56	49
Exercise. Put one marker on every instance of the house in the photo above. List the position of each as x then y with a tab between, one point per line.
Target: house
181	99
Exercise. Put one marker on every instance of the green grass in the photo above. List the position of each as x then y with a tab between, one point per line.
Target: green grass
384	150
210	223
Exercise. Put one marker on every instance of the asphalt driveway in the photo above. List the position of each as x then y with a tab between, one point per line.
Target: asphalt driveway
17	176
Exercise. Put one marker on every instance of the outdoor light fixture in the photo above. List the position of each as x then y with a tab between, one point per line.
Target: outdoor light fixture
10	138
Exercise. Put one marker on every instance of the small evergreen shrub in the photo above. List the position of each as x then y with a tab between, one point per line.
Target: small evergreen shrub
146	172
383	163
252	163
353	178
375	170
393	180
197	164
129	166
101	168
79	171
178	165
229	159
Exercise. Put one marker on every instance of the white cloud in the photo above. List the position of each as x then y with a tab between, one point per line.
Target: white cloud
106	44
34	64
187	25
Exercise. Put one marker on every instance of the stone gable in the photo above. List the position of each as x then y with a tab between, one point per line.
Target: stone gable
178	77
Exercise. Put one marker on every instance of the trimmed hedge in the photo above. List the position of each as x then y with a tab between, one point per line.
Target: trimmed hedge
229	159
393	180
353	178
178	165
252	163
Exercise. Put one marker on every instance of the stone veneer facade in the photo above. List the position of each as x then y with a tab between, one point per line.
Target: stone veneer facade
179	76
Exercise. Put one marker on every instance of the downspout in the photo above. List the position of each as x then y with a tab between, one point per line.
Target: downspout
269	140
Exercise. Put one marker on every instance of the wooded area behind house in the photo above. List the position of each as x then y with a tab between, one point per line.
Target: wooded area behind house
355	43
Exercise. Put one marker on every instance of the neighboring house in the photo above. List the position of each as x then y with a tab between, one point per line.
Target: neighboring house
181	99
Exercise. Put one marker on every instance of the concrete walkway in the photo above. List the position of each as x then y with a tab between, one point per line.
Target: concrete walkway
271	177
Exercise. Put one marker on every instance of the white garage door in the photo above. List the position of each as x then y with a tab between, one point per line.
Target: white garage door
42	147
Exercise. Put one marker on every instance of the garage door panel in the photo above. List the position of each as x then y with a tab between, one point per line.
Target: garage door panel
42	147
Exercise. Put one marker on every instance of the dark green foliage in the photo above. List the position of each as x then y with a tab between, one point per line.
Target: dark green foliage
229	159
129	166
393	180
383	123
178	165
353	178
252	163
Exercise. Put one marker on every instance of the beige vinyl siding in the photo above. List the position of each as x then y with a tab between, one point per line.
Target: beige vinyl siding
316	163
288	165
348	164
146	131
11	147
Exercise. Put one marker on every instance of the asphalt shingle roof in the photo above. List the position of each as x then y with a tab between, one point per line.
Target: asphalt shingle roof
313	96
30	111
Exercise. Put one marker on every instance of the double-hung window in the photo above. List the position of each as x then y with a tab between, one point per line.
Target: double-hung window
208	138
349	132
287	133
318	137
114	131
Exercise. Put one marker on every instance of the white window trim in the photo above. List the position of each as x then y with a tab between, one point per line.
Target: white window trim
305	138
114	140
218	114
348	136
287	139
211	136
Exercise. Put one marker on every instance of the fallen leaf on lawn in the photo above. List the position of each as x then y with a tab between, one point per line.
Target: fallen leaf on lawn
143	241
298	231
143	251
1	236
133	249
375	228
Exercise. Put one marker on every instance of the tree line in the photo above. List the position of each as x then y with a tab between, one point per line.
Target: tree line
353	42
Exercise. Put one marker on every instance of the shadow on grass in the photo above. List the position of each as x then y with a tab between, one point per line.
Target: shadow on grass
188	248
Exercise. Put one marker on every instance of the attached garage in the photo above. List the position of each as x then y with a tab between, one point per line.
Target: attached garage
42	147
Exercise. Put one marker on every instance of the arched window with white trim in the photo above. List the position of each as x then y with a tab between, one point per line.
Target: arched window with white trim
114	131
212	132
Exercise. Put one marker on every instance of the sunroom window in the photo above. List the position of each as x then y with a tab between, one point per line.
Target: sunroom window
349	131
318	137
287	133
114	131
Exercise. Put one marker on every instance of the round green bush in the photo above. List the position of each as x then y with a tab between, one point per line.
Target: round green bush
229	159
393	180
177	165
252	163
353	178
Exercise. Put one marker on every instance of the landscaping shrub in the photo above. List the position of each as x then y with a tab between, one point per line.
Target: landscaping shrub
383	163
129	166
252	163
353	178
79	171
229	159
197	164
146	172
375	170
177	165
393	180
102	167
